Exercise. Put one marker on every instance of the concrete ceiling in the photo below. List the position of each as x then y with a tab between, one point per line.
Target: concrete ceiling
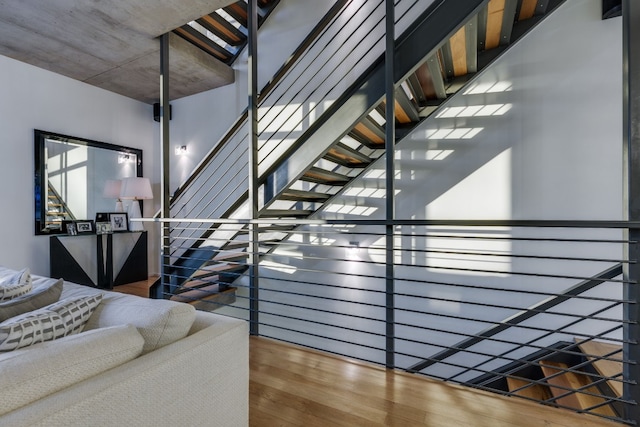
112	44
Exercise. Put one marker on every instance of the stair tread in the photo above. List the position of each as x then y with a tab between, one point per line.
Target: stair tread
236	244
301	195
219	268
324	176
229	256
606	368
202	293
534	391
572	380
347	156
268	213
277	228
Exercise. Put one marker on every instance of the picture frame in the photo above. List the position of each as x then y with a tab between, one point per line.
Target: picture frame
69	227
103	228
85	226
119	221
102	217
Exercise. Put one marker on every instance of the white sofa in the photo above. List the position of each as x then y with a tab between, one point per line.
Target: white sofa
138	362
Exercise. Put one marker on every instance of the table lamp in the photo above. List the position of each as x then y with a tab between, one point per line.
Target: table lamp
112	188
135	189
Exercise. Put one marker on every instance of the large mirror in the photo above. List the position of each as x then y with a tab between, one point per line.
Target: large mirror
70	178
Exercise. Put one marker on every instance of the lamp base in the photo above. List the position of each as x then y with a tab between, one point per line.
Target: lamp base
134	212
119	207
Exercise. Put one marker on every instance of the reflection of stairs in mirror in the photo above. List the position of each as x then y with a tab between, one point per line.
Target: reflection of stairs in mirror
57	210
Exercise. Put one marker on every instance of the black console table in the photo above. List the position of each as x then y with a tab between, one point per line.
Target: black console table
99	260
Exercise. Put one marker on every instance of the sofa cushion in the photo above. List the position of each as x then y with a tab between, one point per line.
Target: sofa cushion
54	321
45	291
14	285
31	373
160	322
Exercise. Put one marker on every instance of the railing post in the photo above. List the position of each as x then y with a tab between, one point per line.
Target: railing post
252	68
631	153
165	230
390	138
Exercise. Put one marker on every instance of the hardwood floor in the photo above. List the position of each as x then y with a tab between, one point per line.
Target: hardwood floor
293	386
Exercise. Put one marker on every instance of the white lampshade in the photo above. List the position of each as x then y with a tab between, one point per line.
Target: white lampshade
136	189
112	188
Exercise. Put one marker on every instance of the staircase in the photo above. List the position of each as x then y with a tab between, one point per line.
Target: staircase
223	33
327	157
585	377
57	210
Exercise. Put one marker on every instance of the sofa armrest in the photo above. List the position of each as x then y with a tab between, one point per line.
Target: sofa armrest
202	379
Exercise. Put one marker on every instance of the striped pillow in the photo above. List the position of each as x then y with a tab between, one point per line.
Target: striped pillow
62	318
16	284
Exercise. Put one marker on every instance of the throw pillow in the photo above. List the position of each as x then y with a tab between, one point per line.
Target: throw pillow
45	291
14	285
66	317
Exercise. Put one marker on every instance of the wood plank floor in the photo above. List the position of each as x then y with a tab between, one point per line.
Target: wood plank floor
293	386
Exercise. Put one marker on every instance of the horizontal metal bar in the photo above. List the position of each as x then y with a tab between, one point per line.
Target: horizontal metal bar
415	222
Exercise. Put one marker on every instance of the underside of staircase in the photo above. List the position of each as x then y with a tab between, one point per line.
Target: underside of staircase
206	279
585	376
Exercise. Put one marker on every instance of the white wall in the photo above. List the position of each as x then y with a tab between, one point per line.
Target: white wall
33	98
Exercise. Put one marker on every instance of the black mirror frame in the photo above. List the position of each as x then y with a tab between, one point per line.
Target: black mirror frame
39	163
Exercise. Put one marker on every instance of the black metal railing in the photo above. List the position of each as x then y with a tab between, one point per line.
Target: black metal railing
339	57
478	303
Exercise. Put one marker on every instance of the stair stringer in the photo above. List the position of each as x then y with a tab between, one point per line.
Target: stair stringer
436	25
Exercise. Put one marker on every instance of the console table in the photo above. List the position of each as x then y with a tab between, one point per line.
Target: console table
99	260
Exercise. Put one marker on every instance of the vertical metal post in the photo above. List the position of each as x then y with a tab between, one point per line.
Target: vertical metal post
252	67
165	140
390	138
631	152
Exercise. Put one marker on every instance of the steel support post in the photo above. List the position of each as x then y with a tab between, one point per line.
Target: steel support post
165	141
390	138
252	66
631	140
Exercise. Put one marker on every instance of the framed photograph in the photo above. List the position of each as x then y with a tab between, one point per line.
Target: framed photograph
85	227
70	227
119	221
103	228
102	217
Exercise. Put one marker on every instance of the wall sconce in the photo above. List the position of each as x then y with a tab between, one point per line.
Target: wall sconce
180	150
126	158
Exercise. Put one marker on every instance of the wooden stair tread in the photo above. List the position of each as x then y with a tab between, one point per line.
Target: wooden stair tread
207	299
534	391
346	156
221	268
606	368
276	229
572	380
323	176
230	256
236	244
201	292
270	213
303	196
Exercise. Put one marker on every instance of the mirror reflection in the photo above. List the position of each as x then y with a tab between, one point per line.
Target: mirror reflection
71	176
